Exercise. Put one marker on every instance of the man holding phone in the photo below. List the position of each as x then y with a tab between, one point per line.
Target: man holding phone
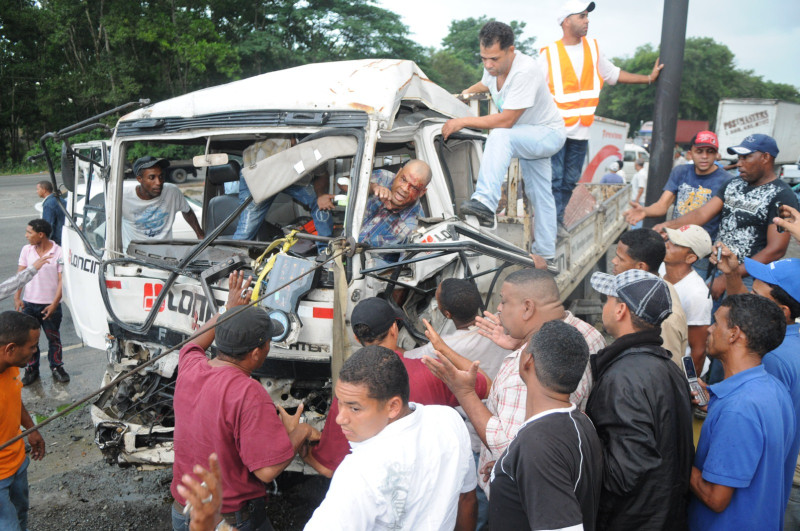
746	442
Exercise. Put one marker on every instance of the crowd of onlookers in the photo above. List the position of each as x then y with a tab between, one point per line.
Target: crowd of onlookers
520	419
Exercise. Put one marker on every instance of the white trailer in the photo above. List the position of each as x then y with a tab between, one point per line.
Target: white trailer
738	118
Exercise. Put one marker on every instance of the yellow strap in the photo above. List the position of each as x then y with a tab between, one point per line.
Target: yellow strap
287	242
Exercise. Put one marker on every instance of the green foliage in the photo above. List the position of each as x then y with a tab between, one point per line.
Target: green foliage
62	61
709	74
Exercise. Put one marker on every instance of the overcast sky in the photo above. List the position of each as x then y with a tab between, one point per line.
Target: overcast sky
764	36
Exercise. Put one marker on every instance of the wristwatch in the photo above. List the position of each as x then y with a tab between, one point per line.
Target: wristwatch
223	526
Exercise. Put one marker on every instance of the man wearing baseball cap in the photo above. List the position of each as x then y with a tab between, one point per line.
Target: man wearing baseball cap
685	246
747	205
640	407
375	323
779	282
689	187
220	409
149	205
575	70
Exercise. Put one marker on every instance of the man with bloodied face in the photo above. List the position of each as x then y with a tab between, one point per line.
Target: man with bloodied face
393	207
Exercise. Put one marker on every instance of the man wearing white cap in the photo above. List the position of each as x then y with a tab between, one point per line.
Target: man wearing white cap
685	246
575	71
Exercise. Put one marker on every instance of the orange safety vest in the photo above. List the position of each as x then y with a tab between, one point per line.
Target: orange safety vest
576	99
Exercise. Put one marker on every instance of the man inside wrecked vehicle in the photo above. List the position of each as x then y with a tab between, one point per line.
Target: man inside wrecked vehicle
220	409
150	205
393	206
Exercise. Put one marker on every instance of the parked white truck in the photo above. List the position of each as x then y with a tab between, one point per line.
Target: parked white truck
737	118
350	118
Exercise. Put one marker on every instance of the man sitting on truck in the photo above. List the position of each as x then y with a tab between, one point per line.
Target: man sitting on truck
149	207
528	127
393	206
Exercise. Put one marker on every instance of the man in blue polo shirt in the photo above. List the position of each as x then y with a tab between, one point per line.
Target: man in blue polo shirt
738	474
779	282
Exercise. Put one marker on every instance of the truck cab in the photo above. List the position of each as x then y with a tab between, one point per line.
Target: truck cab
343	120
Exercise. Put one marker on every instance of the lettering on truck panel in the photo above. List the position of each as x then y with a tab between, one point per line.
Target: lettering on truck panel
187	302
743	123
83	263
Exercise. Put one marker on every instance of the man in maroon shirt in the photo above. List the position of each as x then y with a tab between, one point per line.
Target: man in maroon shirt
374	322
220	409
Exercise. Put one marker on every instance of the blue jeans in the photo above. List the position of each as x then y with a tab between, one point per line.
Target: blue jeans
52	331
14	499
567	166
255	213
179	523
791	520
533	145
483	502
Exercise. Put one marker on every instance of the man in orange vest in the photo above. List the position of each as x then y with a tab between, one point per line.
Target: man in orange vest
576	96
528	127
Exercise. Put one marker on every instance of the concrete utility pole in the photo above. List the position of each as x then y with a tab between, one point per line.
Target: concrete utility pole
668	89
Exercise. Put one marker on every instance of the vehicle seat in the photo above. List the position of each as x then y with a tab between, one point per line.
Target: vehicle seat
221	206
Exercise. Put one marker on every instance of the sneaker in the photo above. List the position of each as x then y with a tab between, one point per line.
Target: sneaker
31	375
552	268
561	230
479	210
60	375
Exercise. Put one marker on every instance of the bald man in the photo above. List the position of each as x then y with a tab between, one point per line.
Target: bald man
528	299
393	207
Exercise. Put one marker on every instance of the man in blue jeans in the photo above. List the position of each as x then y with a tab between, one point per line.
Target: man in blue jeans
19	338
313	197
528	127
51	212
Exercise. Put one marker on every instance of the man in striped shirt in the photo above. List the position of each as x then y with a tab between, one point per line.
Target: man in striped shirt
529	298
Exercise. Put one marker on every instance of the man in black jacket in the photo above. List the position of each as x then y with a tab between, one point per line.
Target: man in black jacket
641	408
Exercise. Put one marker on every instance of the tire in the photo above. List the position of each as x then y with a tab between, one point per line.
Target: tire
178	176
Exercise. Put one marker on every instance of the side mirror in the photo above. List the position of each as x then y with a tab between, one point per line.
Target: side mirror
67	167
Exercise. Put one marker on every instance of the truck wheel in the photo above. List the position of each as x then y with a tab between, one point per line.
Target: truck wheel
178	176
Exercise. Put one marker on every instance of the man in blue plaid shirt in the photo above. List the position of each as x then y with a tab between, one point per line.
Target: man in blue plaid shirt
393	207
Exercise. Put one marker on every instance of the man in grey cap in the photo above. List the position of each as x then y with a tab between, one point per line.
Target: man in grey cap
641	408
220	409
149	205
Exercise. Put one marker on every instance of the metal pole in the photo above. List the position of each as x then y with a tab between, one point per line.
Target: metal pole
668	89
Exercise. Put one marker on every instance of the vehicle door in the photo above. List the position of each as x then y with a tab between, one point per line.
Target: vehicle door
86	206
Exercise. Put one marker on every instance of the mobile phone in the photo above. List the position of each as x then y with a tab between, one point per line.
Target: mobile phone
691	376
778	205
719	254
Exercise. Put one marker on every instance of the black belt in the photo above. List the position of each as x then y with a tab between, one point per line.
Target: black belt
254	510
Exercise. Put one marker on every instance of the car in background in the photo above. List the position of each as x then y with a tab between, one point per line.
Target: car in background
633	152
790	173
